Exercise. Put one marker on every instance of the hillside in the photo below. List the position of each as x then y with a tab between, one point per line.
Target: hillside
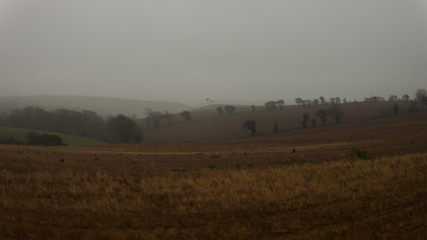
21	135
102	105
212	126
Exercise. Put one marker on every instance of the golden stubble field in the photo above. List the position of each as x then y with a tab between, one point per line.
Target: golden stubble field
355	181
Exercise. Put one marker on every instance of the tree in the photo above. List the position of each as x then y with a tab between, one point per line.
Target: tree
392	98
406	97
250	125
414	106
316	102
322	100
395	109
276	127
313	122
420	94
298	101
219	110
123	129
332	100
167	116
270	105
337	100
280	103
323	115
230	109
186	115
305	118
336	113
155	117
253	108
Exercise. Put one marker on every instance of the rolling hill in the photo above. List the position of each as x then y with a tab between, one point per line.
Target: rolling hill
102	105
211	126
21	135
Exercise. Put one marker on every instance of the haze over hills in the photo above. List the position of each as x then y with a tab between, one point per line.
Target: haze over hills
102	105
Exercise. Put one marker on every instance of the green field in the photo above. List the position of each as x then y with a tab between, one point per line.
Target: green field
21	135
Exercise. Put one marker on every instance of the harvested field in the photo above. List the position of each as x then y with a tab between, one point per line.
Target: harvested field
360	180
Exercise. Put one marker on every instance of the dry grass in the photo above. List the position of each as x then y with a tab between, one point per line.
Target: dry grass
301	184
94	197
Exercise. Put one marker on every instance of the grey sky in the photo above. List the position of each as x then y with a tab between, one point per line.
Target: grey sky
188	50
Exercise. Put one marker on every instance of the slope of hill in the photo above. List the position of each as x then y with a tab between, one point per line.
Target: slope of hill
101	105
21	135
212	126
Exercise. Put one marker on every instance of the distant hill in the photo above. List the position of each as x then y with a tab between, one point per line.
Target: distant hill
207	124
102	105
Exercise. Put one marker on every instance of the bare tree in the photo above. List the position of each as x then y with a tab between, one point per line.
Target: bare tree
230	109
280	103
337	113
276	127
250	125
395	109
406	97
186	115
316	102
219	110
305	118
420	94
323	115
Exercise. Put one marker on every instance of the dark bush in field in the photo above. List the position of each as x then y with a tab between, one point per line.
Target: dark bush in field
44	139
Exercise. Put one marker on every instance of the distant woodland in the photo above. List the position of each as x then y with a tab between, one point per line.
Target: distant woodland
88	124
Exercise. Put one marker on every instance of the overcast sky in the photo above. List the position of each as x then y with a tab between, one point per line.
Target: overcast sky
228	50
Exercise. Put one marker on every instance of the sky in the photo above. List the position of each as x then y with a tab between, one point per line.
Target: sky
240	51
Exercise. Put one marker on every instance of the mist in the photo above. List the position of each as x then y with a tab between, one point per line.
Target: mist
238	51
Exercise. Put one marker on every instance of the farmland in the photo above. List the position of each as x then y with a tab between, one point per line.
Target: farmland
355	181
21	135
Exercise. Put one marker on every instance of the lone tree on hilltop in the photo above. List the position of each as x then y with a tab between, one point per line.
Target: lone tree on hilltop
406	97
305	118
270	105
186	115
250	125
280	103
323	115
230	109
337	113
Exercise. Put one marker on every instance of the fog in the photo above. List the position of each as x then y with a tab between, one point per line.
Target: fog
240	51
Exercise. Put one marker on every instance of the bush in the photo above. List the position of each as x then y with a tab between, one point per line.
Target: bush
361	154
44	139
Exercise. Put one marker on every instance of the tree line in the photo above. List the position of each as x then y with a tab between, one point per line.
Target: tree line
115	129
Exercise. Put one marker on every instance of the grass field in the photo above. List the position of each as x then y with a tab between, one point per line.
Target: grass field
21	135
362	180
